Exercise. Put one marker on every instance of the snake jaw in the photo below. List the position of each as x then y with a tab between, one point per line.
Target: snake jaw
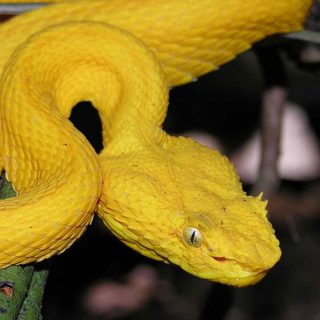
242	277
222	269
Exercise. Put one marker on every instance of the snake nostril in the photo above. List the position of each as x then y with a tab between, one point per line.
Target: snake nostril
86	119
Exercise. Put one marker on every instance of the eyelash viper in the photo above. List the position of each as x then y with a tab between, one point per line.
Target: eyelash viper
166	197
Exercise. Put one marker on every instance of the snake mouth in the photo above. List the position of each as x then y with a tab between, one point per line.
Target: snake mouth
230	272
221	259
259	268
245	276
248	271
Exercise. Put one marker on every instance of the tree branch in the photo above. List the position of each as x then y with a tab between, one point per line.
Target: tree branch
21	287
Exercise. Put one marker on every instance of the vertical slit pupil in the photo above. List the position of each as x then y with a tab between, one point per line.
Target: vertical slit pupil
87	120
193	236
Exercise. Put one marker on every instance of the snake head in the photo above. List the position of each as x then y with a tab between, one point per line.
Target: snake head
235	245
182	203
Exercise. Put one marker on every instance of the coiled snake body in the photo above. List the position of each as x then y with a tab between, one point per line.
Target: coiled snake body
166	197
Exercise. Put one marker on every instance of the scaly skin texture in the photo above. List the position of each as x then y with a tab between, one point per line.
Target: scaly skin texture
189	40
167	197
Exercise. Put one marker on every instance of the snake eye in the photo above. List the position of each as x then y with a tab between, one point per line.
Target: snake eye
192	236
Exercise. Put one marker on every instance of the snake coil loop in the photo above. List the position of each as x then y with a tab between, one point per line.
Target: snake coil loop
123	55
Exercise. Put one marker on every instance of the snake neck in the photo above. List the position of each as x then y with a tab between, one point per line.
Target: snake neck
133	113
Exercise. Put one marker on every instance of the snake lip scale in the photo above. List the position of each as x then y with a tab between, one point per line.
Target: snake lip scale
169	198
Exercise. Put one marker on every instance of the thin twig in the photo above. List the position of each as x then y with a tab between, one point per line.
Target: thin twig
17	8
273	103
307	36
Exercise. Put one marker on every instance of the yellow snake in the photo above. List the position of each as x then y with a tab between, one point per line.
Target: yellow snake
169	198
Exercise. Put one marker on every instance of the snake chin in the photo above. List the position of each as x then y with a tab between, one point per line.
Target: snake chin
211	230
